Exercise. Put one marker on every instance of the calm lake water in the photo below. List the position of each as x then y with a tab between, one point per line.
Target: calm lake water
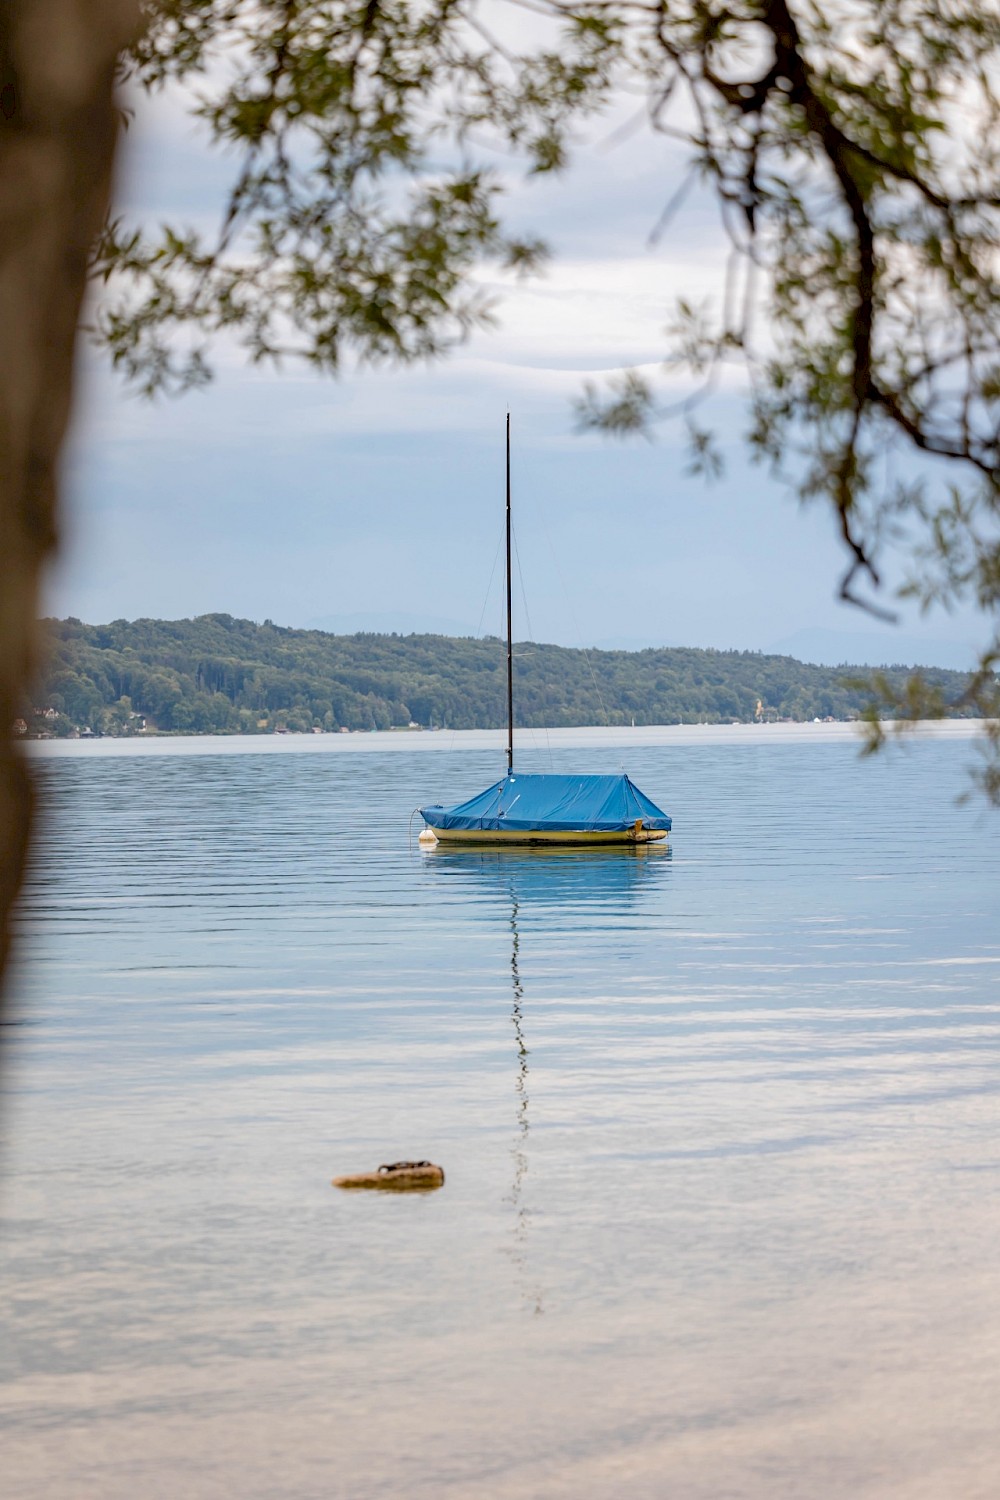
719	1122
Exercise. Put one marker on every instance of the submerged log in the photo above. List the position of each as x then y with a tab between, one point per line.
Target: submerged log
397	1177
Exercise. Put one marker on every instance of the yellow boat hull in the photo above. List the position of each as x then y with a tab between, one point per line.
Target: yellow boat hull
561	836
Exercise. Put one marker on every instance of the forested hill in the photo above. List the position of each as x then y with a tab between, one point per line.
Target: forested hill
215	674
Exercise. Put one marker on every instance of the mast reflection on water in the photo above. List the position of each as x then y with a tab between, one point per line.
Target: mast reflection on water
608	878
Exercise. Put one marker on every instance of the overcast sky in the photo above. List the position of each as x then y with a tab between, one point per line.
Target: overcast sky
376	501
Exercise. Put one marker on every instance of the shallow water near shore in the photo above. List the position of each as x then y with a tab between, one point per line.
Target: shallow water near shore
719	1123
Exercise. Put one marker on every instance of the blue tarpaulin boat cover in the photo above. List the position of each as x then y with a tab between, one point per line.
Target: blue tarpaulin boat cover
598	804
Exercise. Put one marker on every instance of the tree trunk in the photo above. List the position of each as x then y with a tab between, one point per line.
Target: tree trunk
58	127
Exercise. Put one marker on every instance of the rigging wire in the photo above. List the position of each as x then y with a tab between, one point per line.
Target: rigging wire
489	586
482	615
531	633
520	579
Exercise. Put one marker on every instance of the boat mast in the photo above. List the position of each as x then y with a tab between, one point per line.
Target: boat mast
510	652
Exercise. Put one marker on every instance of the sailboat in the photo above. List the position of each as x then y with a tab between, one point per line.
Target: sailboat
545	808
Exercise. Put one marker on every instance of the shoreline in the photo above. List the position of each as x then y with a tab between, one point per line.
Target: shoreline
593	737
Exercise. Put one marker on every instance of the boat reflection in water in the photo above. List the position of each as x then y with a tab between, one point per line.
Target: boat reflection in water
563	876
519	1148
521	882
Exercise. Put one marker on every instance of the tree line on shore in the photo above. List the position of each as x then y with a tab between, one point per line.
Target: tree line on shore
220	675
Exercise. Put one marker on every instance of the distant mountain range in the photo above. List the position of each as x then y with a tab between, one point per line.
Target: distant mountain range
881	646
390	622
220	675
876	648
